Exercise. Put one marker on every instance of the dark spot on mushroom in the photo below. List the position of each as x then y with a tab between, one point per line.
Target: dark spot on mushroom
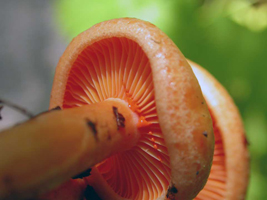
172	190
202	102
90	194
119	118
157	42
109	137
83	174
93	127
205	133
197	173
1	107
56	108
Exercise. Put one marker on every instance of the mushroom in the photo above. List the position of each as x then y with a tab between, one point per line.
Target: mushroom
229	174
230	168
134	61
132	110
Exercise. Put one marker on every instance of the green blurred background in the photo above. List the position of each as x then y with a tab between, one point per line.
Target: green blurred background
227	37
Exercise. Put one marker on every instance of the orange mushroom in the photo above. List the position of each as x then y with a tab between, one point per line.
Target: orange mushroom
230	169
134	61
132	109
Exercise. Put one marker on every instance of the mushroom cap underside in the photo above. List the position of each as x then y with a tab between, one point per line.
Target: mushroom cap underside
134	61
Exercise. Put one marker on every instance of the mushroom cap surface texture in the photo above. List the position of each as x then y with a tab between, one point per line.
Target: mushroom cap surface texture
133	60
229	175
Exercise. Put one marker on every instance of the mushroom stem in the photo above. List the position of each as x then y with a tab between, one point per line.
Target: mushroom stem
47	150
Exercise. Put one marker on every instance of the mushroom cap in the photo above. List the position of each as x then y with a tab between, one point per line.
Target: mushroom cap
230	169
175	124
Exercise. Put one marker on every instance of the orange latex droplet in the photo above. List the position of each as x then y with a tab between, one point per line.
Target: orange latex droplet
155	146
150	133
142	122
159	158
153	139
133	106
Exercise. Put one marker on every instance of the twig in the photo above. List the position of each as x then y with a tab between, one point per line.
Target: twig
16	107
1	107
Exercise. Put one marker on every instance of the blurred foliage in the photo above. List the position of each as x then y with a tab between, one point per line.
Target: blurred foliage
229	38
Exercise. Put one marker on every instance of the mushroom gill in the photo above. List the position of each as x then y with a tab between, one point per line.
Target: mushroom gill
215	187
117	67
